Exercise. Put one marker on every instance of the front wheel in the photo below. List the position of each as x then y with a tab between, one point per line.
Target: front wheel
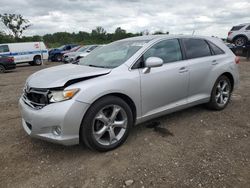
2	69
221	93
106	124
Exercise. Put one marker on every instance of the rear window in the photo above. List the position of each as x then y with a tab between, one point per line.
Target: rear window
216	50
248	28
4	48
196	48
236	28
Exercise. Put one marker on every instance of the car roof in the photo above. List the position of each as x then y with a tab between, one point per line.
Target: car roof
153	37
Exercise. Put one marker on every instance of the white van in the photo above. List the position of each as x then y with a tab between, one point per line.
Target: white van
25	52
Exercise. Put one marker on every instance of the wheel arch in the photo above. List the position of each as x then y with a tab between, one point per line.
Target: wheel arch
230	77
240	35
122	96
37	55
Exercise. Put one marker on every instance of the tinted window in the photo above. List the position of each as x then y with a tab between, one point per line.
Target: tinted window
4	48
216	49
248	28
168	51
196	48
236	28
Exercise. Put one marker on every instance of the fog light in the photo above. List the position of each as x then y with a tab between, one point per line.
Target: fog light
57	131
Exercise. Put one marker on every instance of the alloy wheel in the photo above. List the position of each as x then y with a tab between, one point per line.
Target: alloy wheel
222	93
240	41
109	125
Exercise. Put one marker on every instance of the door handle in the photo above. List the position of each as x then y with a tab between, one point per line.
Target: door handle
214	62
183	69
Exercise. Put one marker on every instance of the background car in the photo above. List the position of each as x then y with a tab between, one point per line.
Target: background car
56	54
239	35
25	52
78	54
6	63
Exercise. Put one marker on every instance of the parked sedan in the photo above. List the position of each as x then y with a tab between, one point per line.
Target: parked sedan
6	63
127	82
78	54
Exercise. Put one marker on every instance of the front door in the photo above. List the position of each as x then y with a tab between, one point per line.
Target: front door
164	87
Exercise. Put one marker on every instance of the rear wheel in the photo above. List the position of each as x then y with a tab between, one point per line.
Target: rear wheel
221	93
2	69
58	57
240	41
106	124
37	60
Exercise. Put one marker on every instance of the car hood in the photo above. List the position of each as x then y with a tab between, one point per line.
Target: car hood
72	54
63	75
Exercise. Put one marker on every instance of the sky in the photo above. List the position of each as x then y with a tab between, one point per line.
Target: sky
205	17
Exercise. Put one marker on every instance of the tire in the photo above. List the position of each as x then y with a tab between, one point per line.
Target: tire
37	60
97	125
32	63
221	94
240	41
2	69
58	57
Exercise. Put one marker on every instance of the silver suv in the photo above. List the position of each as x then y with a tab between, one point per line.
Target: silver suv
239	35
127	82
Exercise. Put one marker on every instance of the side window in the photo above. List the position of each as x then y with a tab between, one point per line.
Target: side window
4	48
167	50
248	28
215	49
196	48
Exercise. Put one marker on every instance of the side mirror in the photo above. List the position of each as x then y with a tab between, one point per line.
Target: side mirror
153	62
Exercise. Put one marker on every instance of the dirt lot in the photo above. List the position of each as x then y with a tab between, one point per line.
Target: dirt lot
207	149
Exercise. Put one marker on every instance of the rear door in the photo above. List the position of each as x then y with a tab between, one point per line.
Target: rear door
164	87
201	62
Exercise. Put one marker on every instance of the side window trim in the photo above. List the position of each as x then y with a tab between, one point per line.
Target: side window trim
209	44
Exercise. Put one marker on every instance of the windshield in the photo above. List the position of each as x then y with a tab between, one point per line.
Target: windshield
112	55
61	47
82	49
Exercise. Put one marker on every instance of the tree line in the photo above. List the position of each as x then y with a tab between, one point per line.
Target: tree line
15	25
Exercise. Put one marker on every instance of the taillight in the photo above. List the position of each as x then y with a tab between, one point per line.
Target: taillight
237	60
229	33
10	59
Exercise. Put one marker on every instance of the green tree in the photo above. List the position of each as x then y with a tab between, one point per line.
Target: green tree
158	33
119	33
15	23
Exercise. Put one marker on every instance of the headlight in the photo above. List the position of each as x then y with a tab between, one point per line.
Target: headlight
62	95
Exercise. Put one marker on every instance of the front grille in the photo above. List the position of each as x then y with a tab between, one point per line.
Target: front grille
36	98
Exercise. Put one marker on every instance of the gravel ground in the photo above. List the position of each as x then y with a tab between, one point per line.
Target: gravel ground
192	148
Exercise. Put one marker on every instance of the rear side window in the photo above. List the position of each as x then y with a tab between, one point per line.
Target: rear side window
248	28
216	50
236	28
4	48
167	50
196	48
